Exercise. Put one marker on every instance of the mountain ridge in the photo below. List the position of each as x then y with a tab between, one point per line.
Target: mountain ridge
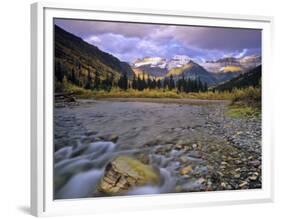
77	58
250	78
85	61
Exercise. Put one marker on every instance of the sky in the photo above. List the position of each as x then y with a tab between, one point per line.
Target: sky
130	41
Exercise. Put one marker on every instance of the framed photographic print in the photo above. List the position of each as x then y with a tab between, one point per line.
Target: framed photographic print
135	109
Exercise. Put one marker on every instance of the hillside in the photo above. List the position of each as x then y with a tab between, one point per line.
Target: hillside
153	71
232	64
77	58
193	70
251	78
223	77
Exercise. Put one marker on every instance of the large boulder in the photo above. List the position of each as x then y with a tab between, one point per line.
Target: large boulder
124	173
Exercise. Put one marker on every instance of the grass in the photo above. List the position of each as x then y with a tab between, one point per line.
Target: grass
240	111
155	93
244	102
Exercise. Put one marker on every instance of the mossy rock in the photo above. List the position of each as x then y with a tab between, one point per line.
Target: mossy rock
124	173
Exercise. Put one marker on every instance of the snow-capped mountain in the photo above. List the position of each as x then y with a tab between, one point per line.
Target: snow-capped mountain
178	61
151	61
213	71
158	66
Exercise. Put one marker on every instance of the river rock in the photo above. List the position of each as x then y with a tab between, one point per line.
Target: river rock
113	138
124	172
185	170
243	184
255	163
253	177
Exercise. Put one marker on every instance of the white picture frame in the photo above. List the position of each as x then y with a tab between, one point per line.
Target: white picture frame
42	203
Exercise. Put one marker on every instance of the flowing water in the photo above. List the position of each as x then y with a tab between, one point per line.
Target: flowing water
166	136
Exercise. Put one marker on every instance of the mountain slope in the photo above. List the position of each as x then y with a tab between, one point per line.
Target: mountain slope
153	71
232	64
193	70
74	54
222	77
251	78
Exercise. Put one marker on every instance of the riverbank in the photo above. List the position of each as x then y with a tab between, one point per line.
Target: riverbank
157	100
158	93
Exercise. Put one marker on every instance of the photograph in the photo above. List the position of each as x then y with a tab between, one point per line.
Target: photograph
155	108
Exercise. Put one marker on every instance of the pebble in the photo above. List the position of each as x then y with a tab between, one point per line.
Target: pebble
232	160
253	177
237	176
243	184
255	163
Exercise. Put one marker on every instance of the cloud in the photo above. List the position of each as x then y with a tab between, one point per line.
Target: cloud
86	28
241	54
129	41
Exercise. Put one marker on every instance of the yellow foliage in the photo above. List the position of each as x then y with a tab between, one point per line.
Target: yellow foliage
232	68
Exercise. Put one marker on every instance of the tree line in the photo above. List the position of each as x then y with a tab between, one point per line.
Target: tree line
139	82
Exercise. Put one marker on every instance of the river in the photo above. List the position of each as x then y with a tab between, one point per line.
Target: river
224	153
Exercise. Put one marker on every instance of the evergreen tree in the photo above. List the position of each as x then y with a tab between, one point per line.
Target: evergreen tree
107	83
59	72
134	82
200	85
184	84
153	84
149	83
144	85
205	87
139	83
97	81
125	82
180	84
158	84
89	80
111	80
188	86
171	84
166	83
196	87
73	78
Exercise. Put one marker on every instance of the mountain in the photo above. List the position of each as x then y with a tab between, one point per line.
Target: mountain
72	54
150	61
177	66
193	70
159	67
232	64
212	72
227	61
251	78
225	76
152	71
251	61
178	61
154	66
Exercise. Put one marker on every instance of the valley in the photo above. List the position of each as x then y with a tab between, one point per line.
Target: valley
86	66
171	118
